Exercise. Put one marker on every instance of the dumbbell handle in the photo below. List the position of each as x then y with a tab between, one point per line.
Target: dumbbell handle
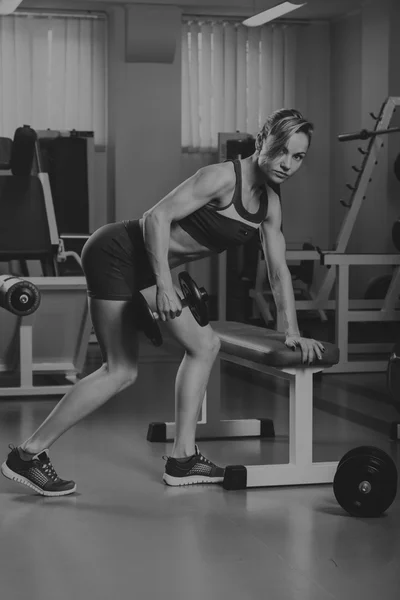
184	303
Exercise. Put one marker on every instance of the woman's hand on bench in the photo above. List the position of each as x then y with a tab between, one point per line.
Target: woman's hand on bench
310	349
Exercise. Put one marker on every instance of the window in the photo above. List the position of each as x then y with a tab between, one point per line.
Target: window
233	77
53	72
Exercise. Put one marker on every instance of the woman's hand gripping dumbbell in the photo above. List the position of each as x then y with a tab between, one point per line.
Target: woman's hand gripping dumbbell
193	297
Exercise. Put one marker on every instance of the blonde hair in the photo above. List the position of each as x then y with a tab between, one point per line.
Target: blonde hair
282	124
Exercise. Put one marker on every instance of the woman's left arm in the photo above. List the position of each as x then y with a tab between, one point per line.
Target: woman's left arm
280	279
274	249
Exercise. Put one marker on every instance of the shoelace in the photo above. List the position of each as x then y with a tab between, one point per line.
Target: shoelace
204	459
49	470
199	456
46	466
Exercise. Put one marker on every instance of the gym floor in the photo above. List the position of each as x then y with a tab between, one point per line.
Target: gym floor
127	535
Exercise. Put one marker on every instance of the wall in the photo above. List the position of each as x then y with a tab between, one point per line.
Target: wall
305	197
145	120
364	71
345	113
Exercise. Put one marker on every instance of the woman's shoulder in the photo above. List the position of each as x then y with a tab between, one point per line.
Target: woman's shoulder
218	175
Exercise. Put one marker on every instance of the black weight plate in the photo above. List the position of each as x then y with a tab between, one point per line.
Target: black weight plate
362	450
146	321
364	486
195	298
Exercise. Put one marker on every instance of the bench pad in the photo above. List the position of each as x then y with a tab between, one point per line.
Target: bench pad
266	346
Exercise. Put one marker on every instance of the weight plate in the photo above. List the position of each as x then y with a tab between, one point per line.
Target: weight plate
196	298
146	320
362	450
365	485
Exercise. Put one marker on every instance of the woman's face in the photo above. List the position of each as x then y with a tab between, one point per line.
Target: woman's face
286	164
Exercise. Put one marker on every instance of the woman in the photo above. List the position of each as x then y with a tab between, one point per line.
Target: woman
220	206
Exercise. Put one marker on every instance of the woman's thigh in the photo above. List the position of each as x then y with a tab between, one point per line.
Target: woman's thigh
115	326
185	329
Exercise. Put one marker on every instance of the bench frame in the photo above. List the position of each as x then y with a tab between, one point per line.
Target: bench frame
301	470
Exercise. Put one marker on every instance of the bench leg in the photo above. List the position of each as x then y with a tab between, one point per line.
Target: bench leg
210	425
300	470
301	418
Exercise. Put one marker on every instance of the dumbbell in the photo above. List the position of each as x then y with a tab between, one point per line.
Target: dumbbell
18	296
365	483
193	297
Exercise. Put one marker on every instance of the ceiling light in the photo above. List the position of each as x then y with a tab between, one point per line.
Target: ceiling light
8	6
271	14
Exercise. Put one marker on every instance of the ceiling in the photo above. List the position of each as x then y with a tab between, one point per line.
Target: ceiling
314	9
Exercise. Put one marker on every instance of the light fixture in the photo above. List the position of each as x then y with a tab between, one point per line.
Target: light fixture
272	13
8	6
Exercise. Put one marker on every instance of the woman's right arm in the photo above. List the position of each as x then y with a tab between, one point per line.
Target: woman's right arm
205	185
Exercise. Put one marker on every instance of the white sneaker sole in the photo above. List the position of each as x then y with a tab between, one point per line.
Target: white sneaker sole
6	471
192	480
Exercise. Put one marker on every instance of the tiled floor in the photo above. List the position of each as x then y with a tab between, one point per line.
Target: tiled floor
127	535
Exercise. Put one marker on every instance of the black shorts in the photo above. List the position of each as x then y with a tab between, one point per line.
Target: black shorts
115	262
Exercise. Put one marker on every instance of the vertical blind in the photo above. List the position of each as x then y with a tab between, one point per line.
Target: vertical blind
53	73
233	77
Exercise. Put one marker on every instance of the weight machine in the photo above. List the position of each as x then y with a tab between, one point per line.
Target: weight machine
41	353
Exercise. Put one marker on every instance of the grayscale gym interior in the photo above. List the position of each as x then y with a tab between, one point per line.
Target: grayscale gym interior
275	527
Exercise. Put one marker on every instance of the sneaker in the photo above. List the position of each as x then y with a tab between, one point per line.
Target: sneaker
38	474
197	469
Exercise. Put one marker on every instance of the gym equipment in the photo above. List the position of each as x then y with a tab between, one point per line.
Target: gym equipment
393	385
263	350
397	167
5	153
18	296
43	353
365	483
372	450
393	375
235	145
365	134
193	297
396	234
29	228
23	151
59	156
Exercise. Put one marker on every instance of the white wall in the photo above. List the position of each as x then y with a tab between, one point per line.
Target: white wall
145	114
364	72
305	197
345	113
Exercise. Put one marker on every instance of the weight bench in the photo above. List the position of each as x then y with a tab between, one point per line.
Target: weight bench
263	350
